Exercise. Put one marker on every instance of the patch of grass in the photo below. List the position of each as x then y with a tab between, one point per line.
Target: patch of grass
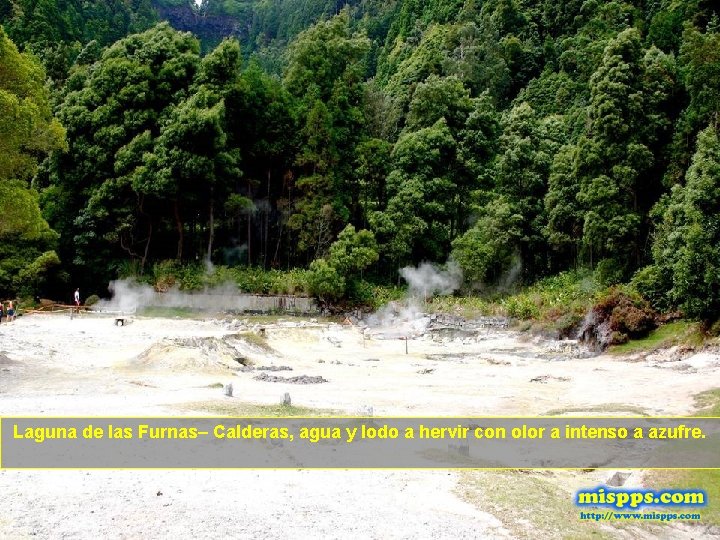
285	317
529	504
708	403
255	340
605	408
382	294
668	335
556	303
263	319
707	479
464	306
170	313
554	297
193	313
236	408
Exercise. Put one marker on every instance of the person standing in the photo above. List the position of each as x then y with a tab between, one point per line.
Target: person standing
77	300
10	312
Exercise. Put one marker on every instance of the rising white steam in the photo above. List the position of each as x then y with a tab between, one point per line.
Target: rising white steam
130	296
428	279
406	318
127	296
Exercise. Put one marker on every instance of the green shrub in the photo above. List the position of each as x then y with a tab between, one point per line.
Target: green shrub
651	284
383	295
128	268
609	272
324	281
353	252
565	323
522	307
33	275
92	300
558	303
191	277
360	292
618	338
293	282
255	280
220	276
164	275
714	329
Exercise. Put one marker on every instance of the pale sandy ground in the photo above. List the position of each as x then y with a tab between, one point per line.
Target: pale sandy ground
88	366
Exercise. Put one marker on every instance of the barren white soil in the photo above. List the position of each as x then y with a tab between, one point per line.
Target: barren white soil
52	365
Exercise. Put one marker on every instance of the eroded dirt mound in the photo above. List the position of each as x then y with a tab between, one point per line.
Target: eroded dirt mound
202	354
5	361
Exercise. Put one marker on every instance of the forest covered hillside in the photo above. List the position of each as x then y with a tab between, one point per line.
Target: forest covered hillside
346	140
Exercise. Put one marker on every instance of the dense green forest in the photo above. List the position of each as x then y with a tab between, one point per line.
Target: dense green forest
519	138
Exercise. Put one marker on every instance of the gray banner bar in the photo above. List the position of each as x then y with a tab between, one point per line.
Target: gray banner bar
257	443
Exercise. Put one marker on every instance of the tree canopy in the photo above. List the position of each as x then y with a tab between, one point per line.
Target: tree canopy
520	138
28	131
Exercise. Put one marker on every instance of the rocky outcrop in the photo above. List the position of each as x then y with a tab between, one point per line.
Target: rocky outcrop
209	28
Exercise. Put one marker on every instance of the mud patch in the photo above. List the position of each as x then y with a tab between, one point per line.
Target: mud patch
249	369
302	379
544	379
497	361
455	358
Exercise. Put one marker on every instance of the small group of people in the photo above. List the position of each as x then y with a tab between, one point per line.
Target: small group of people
7	310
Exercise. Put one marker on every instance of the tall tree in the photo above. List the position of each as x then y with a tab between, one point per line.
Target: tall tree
417	223
27	133
196	164
612	159
325	71
686	249
699	66
110	199
27	127
527	147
